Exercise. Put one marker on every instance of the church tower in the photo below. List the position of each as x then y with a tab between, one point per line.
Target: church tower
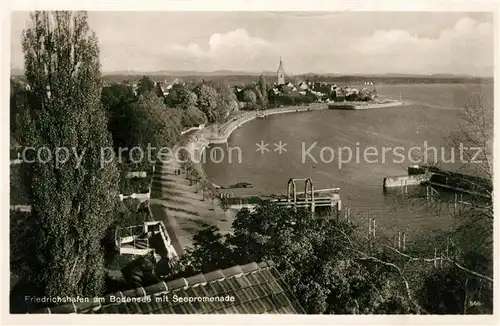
281	73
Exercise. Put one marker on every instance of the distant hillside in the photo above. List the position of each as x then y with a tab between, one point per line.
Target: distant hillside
241	77
187	73
17	72
339	79
399	79
228	79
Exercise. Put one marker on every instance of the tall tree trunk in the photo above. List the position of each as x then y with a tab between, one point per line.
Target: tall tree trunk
73	202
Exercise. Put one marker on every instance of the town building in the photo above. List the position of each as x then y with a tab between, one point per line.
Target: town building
149	238
303	86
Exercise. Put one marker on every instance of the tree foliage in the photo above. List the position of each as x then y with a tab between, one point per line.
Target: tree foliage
263	91
466	280
118	100
159	90
315	256
208	101
227	100
131	212
72	205
145	85
18	106
193	117
249	96
140	272
155	124
180	96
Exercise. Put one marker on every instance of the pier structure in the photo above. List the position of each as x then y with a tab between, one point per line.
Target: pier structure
423	175
315	200
292	192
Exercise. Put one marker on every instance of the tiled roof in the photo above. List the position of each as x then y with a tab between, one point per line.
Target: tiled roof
256	289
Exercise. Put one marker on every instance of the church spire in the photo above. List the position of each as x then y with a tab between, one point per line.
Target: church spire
281	73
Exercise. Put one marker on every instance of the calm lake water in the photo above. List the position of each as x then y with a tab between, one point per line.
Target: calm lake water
431	117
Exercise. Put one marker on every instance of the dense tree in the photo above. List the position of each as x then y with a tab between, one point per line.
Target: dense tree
208	101
173	118
157	125
259	96
263	91
352	97
145	85
185	101
451	290
159	90
72	204
249	97
132	212
333	95
210	251
118	101
172	98
318	257
188	98
466	279
18	106
180	96
272	98
192	116
292	98
140	272
228	101
215	100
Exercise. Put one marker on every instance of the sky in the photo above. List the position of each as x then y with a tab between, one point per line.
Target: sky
317	42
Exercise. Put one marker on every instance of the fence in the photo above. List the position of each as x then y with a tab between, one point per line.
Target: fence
443	253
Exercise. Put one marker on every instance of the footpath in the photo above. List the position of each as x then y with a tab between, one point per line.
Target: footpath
179	203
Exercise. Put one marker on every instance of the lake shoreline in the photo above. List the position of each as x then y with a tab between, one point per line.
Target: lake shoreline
199	140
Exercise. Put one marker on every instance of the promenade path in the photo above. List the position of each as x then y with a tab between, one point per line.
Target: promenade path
181	206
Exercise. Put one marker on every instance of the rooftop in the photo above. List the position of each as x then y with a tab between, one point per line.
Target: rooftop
256	288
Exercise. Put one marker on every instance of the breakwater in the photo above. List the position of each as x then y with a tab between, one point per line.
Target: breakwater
363	105
405	180
444	179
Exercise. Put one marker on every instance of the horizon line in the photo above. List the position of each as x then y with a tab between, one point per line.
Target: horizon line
230	71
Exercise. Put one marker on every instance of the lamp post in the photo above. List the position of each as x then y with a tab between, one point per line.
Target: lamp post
310	171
